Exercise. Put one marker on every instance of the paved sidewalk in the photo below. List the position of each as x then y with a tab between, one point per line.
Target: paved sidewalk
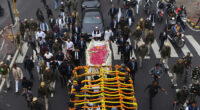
192	7
7	45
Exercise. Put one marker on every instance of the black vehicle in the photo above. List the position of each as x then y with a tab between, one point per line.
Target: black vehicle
1	11
90	4
91	18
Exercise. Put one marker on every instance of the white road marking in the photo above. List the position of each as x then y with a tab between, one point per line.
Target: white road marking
2	45
24	50
155	48
173	51
194	43
186	50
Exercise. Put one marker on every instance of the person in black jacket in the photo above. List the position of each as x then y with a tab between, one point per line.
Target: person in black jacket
121	43
162	38
82	47
114	25
26	84
63	73
76	29
75	39
49	11
76	57
112	12
60	57
36	105
29	65
127	52
133	68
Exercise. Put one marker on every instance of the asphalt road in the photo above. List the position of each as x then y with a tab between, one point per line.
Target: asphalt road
27	9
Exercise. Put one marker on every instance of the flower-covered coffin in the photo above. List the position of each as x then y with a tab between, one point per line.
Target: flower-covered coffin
98	53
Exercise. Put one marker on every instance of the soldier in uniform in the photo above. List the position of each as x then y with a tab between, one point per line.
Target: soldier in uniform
177	69
165	53
142	52
137	36
33	27
50	80
43	92
4	73
147	26
149	39
181	96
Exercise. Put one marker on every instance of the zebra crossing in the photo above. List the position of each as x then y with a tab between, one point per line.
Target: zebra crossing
155	48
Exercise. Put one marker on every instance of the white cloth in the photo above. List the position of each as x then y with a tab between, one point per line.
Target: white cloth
69	45
97	35
108	34
119	14
16	85
48	55
129	21
40	34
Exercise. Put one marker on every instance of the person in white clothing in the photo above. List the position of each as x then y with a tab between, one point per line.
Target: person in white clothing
108	33
96	34
119	14
40	34
48	56
137	6
18	76
69	45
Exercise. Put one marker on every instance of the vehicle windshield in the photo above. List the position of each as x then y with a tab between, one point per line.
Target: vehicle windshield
92	19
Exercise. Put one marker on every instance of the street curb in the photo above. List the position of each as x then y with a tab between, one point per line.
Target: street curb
193	25
10	66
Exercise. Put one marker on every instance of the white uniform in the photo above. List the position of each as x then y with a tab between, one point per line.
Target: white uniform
107	35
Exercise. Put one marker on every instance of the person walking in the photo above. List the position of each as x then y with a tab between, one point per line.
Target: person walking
121	43
127	52
165	54
82	47
29	65
142	52
36	105
68	5
50	80
108	34
133	68
149	39
55	4
137	36
162	38
177	69
4	74
48	56
112	12
18	76
63	73
156	72
76	56
74	4
49	11
192	106
147	26
153	90
43	94
153	18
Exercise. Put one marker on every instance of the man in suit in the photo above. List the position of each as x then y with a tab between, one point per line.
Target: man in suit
112	12
75	39
76	56
127	52
60	57
69	70
82	46
113	25
71	21
76	29
121	43
133	68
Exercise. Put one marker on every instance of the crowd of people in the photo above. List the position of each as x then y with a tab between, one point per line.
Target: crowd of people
59	46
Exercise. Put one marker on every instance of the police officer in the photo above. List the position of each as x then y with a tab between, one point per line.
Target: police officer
165	53
137	36
177	69
147	26
181	96
36	105
4	73
195	74
142	52
43	93
149	39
